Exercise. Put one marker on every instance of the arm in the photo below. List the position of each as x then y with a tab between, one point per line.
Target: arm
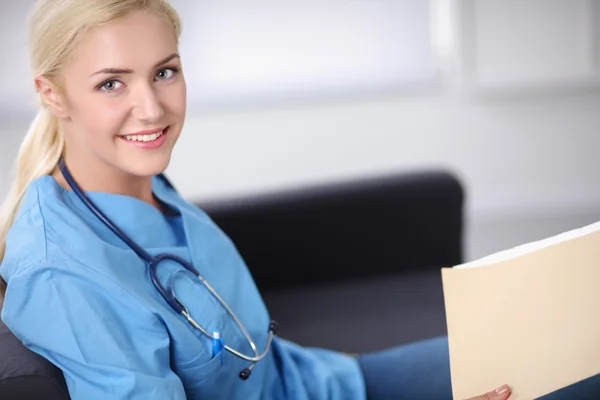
105	342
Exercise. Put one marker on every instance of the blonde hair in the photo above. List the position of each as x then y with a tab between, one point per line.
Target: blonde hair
55	27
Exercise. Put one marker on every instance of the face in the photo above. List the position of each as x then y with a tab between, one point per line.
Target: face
123	96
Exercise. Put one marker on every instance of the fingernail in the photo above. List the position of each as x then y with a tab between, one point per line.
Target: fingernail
502	389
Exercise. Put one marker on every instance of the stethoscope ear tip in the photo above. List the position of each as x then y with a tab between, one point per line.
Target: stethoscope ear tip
245	374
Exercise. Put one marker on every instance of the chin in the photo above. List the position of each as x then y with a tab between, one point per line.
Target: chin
148	168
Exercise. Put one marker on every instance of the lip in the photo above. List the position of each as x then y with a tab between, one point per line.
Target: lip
155	144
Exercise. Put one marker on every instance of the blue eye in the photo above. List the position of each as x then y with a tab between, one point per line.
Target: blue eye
166	73
110	86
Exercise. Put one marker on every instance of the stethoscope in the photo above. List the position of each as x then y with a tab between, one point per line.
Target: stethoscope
169	295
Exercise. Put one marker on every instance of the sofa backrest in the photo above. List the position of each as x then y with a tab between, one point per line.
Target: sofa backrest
348	230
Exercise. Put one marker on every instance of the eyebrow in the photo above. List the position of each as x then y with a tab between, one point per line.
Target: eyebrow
130	71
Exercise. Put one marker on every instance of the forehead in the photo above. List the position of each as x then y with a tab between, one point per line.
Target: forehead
136	42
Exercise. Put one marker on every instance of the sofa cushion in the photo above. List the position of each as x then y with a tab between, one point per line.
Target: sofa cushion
362	315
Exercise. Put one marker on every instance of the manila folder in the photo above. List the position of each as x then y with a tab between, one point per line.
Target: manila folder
528	317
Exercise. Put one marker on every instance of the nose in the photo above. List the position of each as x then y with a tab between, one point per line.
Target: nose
147	105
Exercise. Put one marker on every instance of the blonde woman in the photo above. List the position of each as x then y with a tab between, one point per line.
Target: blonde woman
112	105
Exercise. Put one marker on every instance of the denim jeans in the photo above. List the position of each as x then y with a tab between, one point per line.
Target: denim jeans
421	370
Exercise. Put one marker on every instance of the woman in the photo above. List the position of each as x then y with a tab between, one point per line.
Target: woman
113	103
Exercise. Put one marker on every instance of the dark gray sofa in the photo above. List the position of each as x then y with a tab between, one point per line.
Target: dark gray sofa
352	266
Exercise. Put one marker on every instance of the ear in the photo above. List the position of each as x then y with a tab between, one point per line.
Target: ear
51	97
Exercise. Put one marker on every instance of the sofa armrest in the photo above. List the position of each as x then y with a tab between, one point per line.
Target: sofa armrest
25	375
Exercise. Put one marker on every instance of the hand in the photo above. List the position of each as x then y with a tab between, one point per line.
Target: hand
502	393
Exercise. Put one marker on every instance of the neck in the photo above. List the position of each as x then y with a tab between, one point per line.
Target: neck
96	176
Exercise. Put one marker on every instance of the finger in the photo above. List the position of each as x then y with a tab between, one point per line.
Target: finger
502	393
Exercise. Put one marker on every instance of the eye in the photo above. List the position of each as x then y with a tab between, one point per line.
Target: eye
110	86
167	73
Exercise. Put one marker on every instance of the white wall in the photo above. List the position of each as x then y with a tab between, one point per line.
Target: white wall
515	155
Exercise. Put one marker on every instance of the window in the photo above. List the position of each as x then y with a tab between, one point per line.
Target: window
263	51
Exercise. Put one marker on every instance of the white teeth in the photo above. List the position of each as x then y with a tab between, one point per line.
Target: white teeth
144	138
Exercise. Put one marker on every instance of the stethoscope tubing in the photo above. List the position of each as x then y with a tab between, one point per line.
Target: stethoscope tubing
171	298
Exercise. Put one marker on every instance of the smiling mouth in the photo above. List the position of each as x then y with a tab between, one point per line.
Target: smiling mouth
145	138
148	141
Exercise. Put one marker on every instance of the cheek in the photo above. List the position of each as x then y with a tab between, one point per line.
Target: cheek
101	120
174	103
181	107
178	99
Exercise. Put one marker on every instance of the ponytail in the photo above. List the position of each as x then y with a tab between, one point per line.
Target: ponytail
39	155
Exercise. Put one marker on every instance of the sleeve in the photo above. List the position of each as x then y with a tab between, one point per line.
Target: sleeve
108	345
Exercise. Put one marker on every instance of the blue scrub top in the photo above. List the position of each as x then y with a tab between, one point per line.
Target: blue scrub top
81	298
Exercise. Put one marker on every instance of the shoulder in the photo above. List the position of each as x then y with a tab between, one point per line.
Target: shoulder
67	309
43	216
26	239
